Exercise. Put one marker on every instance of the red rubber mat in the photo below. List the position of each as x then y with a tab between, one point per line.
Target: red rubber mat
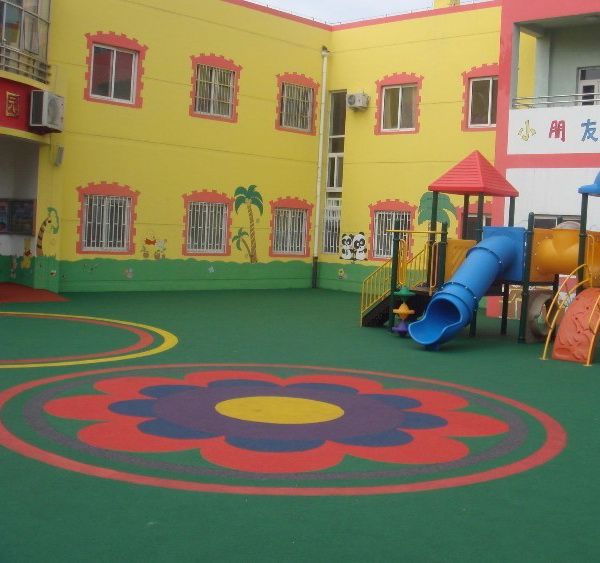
15	293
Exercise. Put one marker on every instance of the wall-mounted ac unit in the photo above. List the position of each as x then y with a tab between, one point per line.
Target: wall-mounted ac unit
47	110
357	101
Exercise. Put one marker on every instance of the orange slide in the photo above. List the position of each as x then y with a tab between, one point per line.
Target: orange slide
578	331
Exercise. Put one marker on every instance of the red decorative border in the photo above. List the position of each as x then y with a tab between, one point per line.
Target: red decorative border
399	79
298	80
483	71
556	441
106	189
225	64
291	203
145	339
112	39
208	196
488	209
387	205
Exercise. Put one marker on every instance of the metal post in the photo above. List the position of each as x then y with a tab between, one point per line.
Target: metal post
511	212
582	239
394	273
526	278
441	265
463	234
480	222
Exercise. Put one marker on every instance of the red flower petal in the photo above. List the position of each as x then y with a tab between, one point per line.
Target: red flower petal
124	436
219	452
427	448
361	385
468	424
432	400
129	387
87	407
203	378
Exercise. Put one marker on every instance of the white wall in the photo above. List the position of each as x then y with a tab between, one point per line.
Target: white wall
18	180
553	191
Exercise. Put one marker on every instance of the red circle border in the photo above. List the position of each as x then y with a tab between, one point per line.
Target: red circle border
145	339
556	441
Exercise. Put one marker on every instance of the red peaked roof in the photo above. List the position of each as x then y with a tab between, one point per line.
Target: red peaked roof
473	176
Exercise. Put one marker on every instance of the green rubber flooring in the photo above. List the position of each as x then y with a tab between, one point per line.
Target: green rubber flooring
547	514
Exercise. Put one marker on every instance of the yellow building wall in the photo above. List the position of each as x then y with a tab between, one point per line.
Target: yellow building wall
159	150
401	166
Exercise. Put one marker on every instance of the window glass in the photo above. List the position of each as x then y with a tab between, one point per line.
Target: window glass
12	28
407	111
480	99
31	37
494	101
338	114
391	103
102	71
123	75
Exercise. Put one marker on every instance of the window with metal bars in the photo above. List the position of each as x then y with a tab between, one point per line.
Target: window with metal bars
384	222
113	74
331	225
214	91
296	107
289	231
107	223
207	227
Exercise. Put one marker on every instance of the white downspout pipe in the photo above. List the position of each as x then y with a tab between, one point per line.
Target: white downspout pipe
317	225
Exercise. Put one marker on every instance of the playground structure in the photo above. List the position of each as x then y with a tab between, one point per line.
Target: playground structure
499	258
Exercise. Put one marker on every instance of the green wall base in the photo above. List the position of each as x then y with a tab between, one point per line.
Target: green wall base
343	277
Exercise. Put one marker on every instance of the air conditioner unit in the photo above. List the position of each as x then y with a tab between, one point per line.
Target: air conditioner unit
357	101
47	110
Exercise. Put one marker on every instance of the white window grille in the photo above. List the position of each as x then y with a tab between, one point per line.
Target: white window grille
113	73
483	102
385	221
331	225
399	107
107	223
289	231
207	227
214	91
296	107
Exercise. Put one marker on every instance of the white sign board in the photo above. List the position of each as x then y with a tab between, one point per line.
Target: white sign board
556	130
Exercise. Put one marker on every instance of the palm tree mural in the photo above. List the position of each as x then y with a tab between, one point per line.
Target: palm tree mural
249	197
51	221
240	239
445	208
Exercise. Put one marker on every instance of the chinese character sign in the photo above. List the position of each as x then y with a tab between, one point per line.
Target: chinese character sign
13	108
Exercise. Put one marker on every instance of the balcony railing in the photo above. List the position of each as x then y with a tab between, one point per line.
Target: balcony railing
561	100
18	62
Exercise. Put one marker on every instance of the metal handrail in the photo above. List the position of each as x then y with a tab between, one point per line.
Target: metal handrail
23	63
546	101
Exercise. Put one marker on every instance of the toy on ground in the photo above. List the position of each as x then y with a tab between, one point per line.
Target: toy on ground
402	312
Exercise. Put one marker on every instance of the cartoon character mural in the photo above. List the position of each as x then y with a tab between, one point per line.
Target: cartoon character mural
354	247
51	222
249	197
27	255
153	247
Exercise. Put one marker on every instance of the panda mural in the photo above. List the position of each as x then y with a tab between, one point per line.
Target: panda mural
354	247
346	247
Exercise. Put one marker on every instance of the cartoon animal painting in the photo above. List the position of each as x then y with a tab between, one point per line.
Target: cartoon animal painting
53	223
354	247
27	255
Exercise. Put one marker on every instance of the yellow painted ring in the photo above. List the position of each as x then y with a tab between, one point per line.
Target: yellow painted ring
169	341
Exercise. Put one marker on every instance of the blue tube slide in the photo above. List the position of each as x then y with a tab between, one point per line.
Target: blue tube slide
451	308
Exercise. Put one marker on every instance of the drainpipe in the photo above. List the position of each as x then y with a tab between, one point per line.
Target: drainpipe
317	226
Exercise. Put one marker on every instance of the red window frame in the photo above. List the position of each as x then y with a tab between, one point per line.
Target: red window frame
207	196
115	41
483	71
291	203
297	80
221	62
398	79
106	189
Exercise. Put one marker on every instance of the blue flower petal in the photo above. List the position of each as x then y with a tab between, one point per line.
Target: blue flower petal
323	387
278	446
421	421
397	401
159	391
138	407
241	383
385	439
166	429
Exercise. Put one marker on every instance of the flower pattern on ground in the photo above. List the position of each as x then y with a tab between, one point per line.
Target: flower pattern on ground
221	414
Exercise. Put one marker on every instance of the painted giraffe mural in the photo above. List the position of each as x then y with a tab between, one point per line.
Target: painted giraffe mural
51	221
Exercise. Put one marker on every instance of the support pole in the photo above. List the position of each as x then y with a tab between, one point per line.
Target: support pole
582	238
480	222
465	221
506	289
394	273
511	212
526	278
441	265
